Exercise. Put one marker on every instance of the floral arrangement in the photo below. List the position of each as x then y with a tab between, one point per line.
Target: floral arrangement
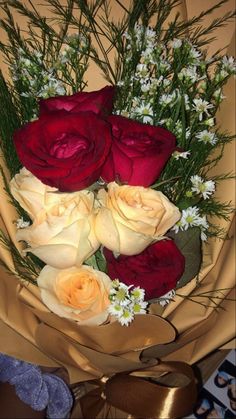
110	184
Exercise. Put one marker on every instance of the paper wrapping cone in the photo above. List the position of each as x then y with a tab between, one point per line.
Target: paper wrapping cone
30	332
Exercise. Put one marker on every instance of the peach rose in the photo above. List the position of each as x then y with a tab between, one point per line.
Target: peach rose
32	195
62	235
80	294
133	217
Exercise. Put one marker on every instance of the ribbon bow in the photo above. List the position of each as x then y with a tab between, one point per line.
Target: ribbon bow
137	394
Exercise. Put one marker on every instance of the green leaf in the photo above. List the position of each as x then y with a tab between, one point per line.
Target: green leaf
101	260
189	243
97	261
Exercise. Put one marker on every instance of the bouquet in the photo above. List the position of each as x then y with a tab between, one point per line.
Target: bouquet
114	188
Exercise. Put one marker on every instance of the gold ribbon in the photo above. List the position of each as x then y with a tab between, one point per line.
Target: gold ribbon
136	394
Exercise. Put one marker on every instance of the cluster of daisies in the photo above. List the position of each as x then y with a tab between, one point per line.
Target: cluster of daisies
175	85
127	301
44	77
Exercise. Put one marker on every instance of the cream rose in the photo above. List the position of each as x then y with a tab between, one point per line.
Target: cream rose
32	195
80	294
62	235
133	217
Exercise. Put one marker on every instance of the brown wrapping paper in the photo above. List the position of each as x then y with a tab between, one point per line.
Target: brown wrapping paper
187	331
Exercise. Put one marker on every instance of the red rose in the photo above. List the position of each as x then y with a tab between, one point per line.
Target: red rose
139	152
99	102
157	269
64	150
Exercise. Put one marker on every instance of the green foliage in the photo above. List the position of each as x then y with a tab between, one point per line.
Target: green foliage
44	62
208	299
25	267
9	122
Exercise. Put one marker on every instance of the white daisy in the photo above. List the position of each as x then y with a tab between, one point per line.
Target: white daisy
139	307
52	87
126	318
145	85
169	99
165	99
207	137
201	106
203	235
163	66
210	122
137	293
195	53
189	73
176	43
186	101
189	218
145	111
147	54
141	70
218	95
150	34
229	64
165	299
187	133
221	75
201	187
121	298
64	57
183	155
120	83
166	82
115	310
203	222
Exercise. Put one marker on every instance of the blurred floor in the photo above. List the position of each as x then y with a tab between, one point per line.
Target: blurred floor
11	407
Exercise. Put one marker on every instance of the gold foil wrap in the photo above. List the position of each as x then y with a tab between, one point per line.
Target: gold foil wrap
183	331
